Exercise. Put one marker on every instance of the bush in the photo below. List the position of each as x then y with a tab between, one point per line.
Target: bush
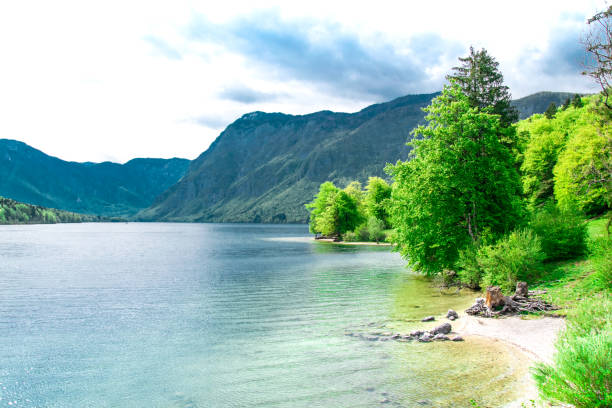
350	236
601	260
469	270
376	229
562	233
582	365
516	257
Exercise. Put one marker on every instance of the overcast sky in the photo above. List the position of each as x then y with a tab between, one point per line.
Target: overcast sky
108	80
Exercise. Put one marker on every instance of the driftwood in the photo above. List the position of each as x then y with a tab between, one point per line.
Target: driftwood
497	304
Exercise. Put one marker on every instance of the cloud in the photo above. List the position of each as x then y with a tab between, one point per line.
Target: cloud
244	94
163	48
323	54
213	121
565	54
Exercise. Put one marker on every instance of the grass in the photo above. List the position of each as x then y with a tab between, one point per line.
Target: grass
569	282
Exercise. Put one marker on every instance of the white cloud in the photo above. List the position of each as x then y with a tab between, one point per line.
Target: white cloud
118	80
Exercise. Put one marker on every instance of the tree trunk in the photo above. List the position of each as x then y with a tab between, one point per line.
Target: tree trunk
495	297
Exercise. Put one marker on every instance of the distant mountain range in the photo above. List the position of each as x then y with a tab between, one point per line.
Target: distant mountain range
265	166
538	102
109	189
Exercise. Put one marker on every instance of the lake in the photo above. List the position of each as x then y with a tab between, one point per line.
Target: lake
225	315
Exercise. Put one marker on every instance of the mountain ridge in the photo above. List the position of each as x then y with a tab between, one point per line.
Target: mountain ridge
30	176
265	166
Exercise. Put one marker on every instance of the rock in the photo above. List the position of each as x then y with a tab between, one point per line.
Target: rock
451	314
385	401
457	338
416	333
396	336
428	319
495	297
423	402
521	289
444	328
452	318
371	338
425	338
440	336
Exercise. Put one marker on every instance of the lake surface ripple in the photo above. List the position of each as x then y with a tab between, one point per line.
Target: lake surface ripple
224	315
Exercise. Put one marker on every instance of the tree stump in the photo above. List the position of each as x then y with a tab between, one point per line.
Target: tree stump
521	289
495	297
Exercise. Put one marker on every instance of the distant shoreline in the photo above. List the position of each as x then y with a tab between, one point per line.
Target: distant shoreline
362	243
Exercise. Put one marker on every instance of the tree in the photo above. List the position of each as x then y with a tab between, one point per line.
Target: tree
333	211
583	173
598	44
480	79
551	111
577	101
459	184
376	200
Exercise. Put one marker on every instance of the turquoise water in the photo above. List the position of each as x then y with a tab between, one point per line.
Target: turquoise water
212	315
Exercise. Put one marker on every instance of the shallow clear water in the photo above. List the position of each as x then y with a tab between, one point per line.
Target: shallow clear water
211	315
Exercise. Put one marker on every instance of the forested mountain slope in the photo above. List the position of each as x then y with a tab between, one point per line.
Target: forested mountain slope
110	189
265	166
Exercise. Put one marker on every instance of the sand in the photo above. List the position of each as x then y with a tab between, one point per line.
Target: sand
535	338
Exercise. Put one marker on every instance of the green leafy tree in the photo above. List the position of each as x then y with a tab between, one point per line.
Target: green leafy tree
377	199
333	211
544	141
551	111
577	101
480	79
583	173
460	183
326	194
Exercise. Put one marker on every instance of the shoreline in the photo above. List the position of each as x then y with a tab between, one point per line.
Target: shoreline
534	338
360	243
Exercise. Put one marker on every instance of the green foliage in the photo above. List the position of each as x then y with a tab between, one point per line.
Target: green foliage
376	229
13	212
469	270
480	79
333	211
580	375
577	101
601	259
516	257
583	173
551	111
543	141
562	233
459	182
377	199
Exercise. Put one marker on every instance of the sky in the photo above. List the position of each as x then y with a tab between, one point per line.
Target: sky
114	80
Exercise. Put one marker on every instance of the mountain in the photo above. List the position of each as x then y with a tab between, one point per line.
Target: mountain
538	102
109	189
265	166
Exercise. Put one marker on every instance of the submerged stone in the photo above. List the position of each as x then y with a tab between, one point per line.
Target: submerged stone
428	319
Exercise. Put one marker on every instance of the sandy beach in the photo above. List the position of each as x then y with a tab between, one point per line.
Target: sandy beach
535	338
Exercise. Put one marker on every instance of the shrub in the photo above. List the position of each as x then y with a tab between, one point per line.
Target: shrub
562	233
469	270
376	229
516	257
582	365
601	260
362	233
350	236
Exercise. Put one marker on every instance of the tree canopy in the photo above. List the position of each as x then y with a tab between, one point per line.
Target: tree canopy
479	78
459	184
